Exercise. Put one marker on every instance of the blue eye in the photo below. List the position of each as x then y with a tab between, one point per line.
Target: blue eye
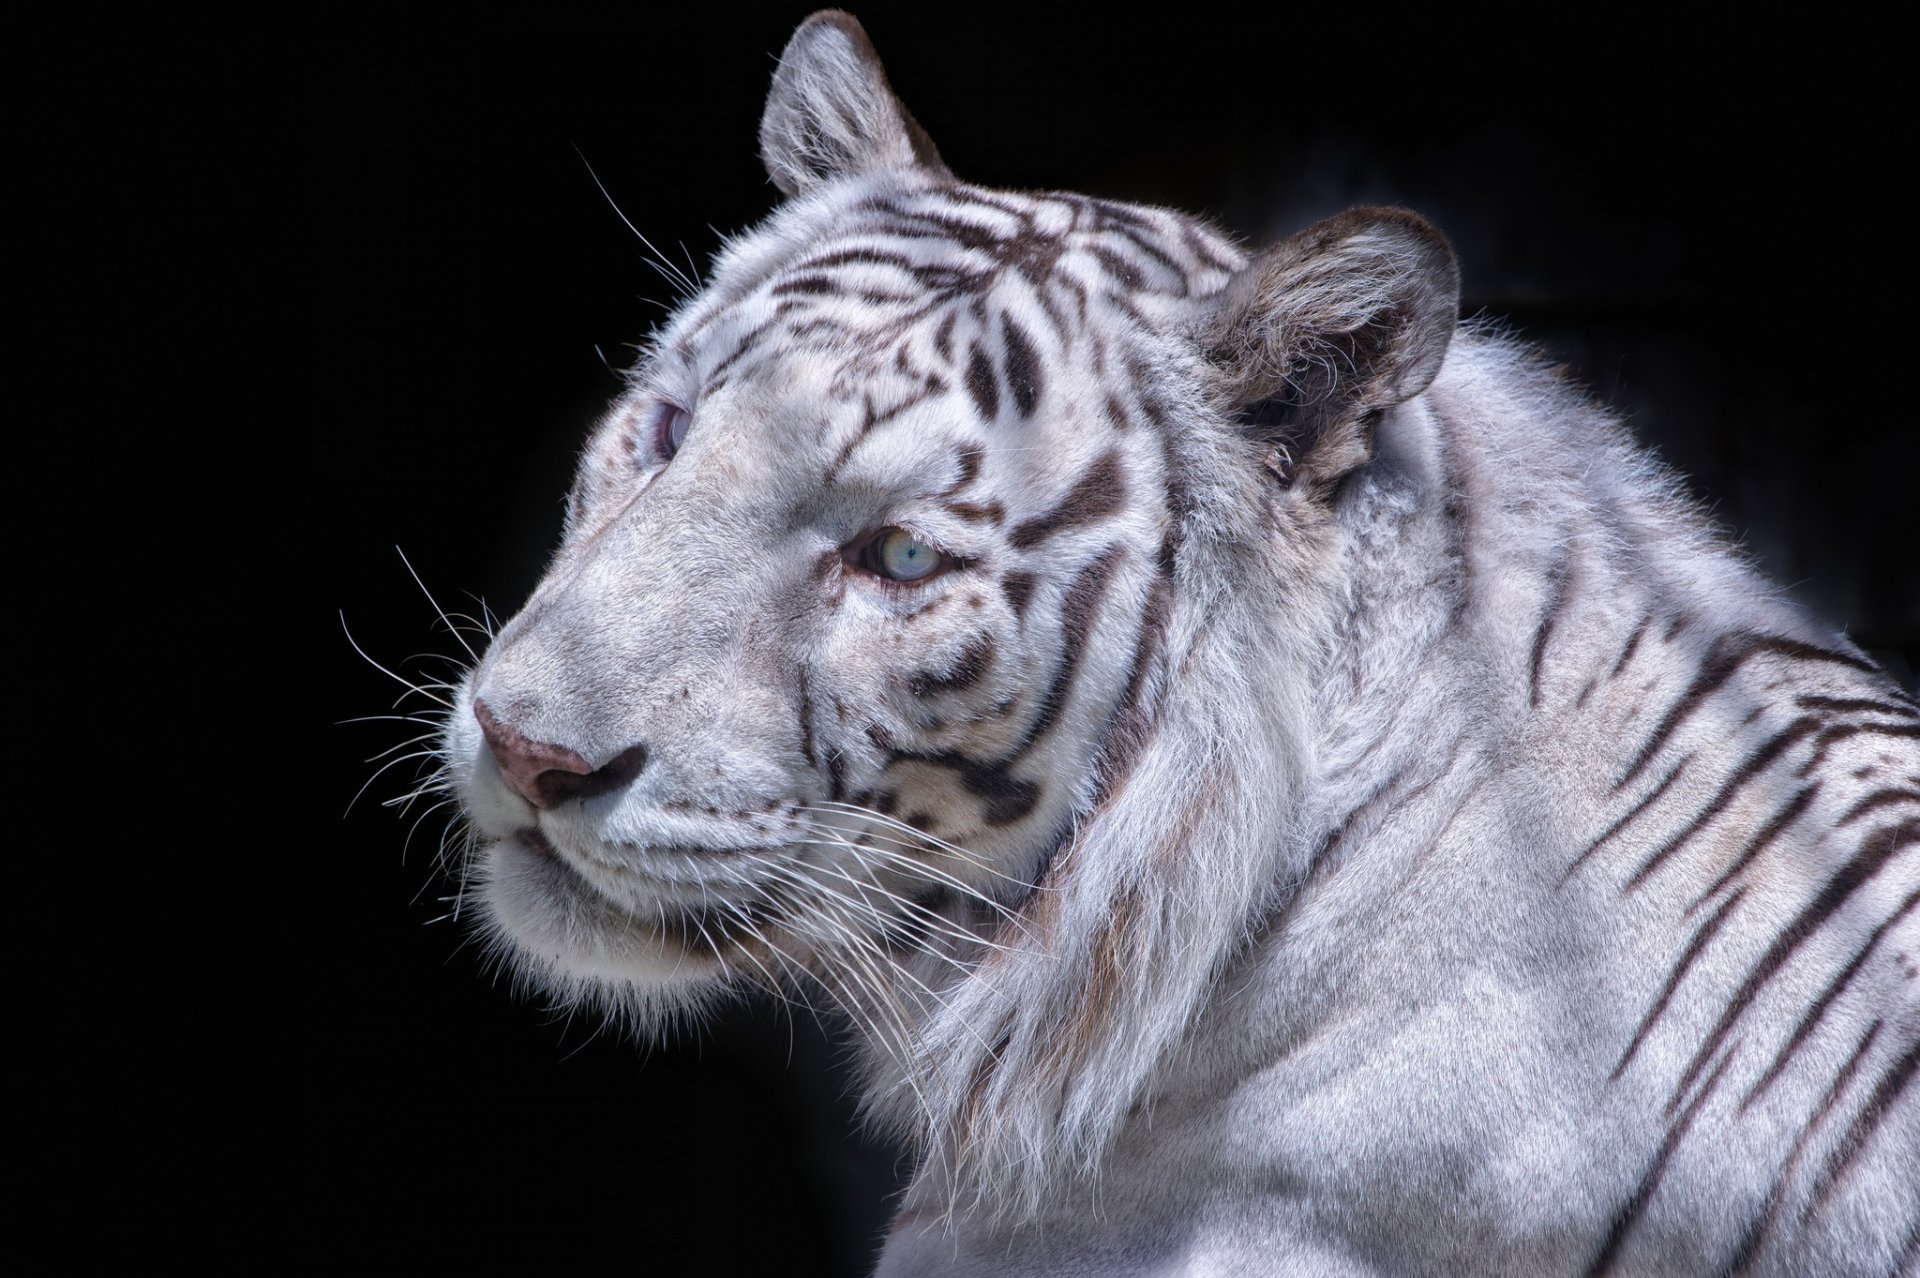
895	555
670	424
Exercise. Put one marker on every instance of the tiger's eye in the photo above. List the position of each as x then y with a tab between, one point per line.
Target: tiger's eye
670	429
898	556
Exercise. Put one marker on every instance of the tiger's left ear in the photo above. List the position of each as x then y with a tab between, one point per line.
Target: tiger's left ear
831	112
1326	330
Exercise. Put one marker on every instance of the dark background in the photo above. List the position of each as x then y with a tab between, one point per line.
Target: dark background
1689	222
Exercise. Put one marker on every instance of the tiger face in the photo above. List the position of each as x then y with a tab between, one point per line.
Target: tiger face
850	591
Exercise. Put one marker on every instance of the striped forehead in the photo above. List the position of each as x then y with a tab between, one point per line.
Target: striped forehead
941	286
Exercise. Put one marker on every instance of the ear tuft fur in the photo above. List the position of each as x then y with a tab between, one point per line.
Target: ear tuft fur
1329	328
831	112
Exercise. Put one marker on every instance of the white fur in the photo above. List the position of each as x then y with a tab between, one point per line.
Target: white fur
1164	1020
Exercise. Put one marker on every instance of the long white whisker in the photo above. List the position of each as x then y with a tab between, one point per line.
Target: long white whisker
685	286
408	684
934	921
451	628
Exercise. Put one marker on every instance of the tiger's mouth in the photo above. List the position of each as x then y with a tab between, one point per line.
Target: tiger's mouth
709	929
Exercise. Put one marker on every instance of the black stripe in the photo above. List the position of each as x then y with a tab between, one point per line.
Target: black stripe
1154	251
1022	366
1834	989
1840	732
1077	613
1018	587
806	719
1633	646
1120	269
963	673
1907	1263
1007	798
1062	330
1785	817
1864	1124
1632	1209
1851	704
1203	252
1131	723
1741	777
1653	796
1770	1209
1704	933
806	286
968	461
856	257
980	384
1102	491
1878	799
747	343
1875	851
1338	834
1557	577
1729	654
872	419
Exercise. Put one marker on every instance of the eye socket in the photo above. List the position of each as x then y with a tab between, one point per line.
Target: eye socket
670	425
895	554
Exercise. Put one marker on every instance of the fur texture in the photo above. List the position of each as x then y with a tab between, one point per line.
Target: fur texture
1329	807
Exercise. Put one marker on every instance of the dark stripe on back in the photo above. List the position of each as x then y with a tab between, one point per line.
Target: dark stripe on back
1785	817
1704	933
1770	1209
1835	988
1627	820
1878	799
1743	776
1632	1209
1841	731
1102	491
1864	1124
1729	653
1852	704
1875	851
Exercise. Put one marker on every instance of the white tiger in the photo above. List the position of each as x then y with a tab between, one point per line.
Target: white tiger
1281	785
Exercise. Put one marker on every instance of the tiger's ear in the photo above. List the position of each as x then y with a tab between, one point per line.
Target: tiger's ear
1321	333
831	112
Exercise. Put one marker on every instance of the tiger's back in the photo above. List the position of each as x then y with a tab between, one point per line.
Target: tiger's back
1281	784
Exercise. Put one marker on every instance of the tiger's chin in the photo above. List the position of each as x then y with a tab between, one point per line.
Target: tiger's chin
546	922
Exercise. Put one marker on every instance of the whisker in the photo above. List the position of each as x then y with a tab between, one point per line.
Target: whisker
408	684
451	628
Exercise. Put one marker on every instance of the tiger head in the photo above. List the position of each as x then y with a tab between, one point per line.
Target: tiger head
903	631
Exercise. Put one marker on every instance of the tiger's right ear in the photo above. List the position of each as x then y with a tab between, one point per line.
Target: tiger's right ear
831	112
1317	336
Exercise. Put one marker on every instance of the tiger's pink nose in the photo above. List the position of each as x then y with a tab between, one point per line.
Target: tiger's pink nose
547	775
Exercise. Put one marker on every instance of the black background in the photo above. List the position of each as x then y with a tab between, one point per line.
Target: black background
1689	221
